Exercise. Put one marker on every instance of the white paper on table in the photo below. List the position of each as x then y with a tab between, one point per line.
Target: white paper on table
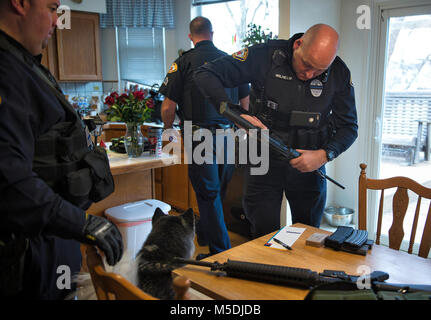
287	235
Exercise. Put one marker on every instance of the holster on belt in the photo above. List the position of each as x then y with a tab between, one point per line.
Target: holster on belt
12	259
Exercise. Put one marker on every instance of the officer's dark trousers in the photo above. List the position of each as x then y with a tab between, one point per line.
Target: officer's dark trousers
50	264
210	182
305	192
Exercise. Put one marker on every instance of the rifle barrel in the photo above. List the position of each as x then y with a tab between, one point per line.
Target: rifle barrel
297	277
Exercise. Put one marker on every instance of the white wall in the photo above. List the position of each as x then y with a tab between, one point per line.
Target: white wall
177	38
305	13
284	20
355	50
109	54
87	5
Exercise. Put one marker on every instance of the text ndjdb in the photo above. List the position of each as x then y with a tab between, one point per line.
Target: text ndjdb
239	310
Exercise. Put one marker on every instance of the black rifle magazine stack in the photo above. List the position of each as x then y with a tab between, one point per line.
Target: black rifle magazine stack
350	240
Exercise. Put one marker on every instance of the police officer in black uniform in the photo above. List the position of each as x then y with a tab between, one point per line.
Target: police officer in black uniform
209	180
49	170
303	93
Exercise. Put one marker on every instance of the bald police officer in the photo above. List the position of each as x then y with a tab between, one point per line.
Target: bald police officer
303	93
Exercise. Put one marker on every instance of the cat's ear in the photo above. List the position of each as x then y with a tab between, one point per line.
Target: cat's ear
157	215
189	217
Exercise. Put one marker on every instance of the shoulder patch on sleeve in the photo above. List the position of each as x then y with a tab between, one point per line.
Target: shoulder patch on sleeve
173	68
0	100
241	55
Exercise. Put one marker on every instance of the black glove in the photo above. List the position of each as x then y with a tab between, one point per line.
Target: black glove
73	223
105	235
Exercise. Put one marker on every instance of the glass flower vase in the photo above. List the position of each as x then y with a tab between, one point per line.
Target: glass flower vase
134	140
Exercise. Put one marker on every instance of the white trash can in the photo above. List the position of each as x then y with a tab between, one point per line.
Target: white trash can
134	221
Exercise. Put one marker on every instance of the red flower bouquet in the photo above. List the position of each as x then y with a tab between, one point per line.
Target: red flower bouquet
130	107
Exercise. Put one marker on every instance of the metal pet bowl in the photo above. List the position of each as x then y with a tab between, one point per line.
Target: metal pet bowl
341	216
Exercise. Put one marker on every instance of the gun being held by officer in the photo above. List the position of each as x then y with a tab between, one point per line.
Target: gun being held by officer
227	110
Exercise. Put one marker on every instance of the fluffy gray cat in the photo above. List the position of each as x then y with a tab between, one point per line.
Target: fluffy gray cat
171	236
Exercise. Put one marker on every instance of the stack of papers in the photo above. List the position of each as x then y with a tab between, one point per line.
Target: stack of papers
287	235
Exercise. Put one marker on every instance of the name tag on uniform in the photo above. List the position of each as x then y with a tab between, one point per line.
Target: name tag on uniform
283	77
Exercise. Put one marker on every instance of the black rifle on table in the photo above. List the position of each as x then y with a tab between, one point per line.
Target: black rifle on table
229	111
302	278
297	277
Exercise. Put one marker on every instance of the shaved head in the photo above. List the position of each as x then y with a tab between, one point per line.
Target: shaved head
200	26
315	51
200	29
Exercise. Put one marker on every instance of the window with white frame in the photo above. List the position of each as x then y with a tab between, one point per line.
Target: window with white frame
231	18
141	55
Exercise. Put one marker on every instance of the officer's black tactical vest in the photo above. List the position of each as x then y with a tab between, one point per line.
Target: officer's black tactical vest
65	161
284	93
63	157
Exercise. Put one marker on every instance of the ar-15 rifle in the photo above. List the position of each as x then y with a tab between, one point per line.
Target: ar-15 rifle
297	277
228	110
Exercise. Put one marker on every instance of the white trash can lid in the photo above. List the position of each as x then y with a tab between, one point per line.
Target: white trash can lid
136	211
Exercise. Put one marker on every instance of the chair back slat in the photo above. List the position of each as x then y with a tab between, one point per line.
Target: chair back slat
108	285
425	245
400	204
379	221
415	224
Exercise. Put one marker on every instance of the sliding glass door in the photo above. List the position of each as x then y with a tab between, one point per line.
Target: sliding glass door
403	123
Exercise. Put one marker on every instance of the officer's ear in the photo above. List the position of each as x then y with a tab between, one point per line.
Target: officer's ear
20	6
297	43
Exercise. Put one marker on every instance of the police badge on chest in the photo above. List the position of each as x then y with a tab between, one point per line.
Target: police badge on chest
316	88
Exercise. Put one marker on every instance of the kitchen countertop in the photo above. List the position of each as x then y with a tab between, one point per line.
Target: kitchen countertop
123	124
121	164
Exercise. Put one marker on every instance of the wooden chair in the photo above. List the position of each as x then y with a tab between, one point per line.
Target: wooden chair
399	206
112	286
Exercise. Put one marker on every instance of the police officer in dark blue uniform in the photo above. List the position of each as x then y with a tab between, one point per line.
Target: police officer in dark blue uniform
49	171
209	180
303	93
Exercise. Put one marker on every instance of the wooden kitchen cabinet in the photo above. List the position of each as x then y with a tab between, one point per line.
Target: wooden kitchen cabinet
74	54
175	186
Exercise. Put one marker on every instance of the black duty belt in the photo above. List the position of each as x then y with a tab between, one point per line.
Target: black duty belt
212	127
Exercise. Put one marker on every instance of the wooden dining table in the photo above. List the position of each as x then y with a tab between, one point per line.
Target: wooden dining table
401	267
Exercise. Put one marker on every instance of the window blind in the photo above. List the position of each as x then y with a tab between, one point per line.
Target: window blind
141	55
